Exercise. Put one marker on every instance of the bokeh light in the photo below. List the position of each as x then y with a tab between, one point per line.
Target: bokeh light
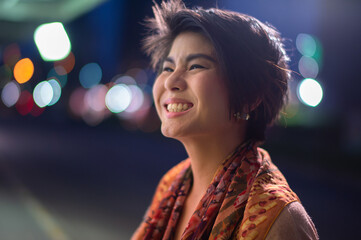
319	51
11	54
137	119
124	79
93	118
53	73
23	70
306	44
308	67
10	94
56	91
95	97
5	75
90	75
52	41
36	110
137	99
43	94
66	65
118	98
139	75
95	110
310	92
25	103
76	102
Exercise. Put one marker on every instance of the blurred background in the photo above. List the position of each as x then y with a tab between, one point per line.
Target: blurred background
80	147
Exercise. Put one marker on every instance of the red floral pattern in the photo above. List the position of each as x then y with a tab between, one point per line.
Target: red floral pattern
246	195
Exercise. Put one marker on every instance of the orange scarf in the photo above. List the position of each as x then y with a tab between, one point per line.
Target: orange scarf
243	200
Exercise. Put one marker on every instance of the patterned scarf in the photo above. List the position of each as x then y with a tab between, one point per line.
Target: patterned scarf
246	190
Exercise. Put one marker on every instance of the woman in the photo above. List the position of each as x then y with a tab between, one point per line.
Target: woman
222	80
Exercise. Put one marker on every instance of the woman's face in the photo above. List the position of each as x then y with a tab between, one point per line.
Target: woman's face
190	94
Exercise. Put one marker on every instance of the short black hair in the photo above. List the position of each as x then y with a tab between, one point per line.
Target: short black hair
251	55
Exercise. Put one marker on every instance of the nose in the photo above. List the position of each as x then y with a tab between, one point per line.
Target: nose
175	82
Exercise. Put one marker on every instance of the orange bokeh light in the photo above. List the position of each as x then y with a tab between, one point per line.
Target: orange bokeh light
23	70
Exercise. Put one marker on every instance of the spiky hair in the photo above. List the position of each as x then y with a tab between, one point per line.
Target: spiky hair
250	54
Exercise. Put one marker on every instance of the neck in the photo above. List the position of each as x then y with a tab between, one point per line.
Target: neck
207	153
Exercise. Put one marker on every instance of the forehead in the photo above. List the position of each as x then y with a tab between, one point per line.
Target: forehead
189	43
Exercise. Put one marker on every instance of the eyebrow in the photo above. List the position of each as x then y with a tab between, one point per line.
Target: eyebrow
191	57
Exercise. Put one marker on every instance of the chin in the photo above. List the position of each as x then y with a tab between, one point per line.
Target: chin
172	132
169	133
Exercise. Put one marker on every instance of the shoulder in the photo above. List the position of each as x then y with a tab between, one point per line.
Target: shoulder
293	221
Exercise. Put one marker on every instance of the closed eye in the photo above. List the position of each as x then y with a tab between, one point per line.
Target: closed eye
196	66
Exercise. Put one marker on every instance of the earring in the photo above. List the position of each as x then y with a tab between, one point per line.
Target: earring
241	116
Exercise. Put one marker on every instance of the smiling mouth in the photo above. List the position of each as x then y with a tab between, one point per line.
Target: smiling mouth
178	107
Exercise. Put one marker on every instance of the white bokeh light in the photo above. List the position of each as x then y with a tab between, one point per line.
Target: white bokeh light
43	94
137	99
310	92
56	91
118	98
10	94
52	41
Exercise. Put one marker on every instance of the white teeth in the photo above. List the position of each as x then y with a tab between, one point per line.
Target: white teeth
178	107
185	107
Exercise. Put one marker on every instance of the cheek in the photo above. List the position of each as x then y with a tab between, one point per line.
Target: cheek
215	91
216	96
